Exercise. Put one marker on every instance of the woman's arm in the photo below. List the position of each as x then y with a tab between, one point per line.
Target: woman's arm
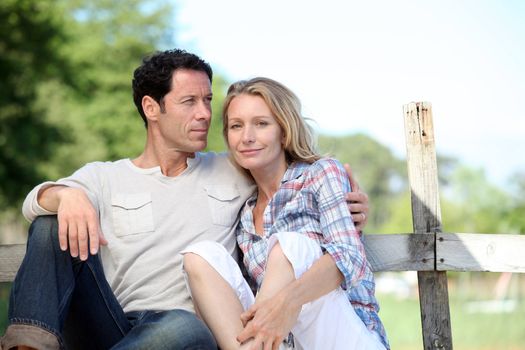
272	316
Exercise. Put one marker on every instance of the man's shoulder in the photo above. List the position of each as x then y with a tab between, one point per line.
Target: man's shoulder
104	166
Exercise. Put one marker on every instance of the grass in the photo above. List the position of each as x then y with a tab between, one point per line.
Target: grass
480	331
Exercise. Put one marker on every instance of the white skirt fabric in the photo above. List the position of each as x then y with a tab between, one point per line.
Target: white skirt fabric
329	322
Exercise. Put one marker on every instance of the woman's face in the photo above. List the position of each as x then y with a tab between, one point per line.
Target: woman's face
255	139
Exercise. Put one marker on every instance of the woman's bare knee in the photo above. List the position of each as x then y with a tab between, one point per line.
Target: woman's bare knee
195	265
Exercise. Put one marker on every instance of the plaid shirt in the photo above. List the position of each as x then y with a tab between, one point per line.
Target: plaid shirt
311	201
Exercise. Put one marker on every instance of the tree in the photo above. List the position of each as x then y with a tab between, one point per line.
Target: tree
29	54
515	213
381	174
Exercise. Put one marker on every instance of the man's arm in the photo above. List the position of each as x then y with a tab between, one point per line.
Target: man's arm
357	202
78	225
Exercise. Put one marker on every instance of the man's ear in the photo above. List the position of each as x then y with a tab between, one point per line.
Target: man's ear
151	108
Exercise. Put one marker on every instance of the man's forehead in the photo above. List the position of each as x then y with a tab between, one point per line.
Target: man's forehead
188	79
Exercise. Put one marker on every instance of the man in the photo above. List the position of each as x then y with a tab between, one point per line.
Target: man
131	294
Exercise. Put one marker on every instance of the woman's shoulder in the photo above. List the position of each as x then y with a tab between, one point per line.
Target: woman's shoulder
327	165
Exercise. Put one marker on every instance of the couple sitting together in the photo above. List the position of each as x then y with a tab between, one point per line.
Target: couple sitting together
166	250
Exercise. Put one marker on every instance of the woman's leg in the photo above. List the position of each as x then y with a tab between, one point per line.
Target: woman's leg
278	274
219	292
329	322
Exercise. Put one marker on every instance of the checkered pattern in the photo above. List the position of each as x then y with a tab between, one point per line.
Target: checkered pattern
311	201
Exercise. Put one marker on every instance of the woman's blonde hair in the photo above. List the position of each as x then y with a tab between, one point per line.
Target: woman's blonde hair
299	140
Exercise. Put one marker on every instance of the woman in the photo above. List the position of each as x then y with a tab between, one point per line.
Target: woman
299	243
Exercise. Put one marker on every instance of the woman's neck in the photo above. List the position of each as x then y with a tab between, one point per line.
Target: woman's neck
269	180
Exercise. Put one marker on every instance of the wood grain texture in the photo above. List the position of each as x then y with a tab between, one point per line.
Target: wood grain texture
426	217
400	252
480	252
10	259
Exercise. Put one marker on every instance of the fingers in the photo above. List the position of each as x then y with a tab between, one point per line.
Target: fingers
78	224
82	239
73	243
360	220
96	237
358	206
62	233
257	343
102	239
247	316
247	333
353	183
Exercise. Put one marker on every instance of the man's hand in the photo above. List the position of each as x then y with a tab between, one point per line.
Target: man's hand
78	225
269	321
357	202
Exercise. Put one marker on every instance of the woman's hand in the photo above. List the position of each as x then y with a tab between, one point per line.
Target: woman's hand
269	321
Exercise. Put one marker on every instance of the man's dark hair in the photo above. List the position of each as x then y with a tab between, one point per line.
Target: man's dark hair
153	77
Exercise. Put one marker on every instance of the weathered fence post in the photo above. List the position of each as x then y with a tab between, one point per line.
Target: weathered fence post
426	218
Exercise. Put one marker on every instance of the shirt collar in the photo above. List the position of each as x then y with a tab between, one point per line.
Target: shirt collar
293	171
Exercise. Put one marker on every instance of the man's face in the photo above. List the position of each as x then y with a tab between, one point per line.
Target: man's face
186	118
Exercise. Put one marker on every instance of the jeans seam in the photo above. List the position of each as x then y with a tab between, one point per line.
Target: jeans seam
105	299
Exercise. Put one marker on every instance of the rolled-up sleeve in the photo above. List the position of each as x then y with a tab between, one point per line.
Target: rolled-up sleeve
341	239
84	178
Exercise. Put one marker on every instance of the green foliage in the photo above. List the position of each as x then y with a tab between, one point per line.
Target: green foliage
32	34
472	204
379	173
215	140
515	222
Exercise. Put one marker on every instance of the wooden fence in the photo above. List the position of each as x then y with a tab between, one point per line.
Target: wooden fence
428	250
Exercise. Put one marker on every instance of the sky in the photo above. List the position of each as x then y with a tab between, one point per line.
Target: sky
354	64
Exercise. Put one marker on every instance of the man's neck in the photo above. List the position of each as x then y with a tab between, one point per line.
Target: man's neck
171	162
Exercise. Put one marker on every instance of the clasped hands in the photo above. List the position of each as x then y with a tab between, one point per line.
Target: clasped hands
268	322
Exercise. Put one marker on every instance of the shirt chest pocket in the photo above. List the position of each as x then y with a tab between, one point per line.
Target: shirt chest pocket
132	213
224	204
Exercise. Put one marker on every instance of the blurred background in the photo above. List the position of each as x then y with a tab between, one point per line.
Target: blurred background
65	99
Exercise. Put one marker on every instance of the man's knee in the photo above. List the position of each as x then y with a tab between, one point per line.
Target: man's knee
43	233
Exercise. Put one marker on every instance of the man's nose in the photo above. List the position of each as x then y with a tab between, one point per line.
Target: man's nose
204	111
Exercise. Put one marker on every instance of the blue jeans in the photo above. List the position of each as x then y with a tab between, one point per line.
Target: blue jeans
64	302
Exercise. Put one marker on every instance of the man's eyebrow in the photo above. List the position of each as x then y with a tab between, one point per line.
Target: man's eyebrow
195	95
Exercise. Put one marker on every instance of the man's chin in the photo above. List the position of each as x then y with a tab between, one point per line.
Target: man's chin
200	146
